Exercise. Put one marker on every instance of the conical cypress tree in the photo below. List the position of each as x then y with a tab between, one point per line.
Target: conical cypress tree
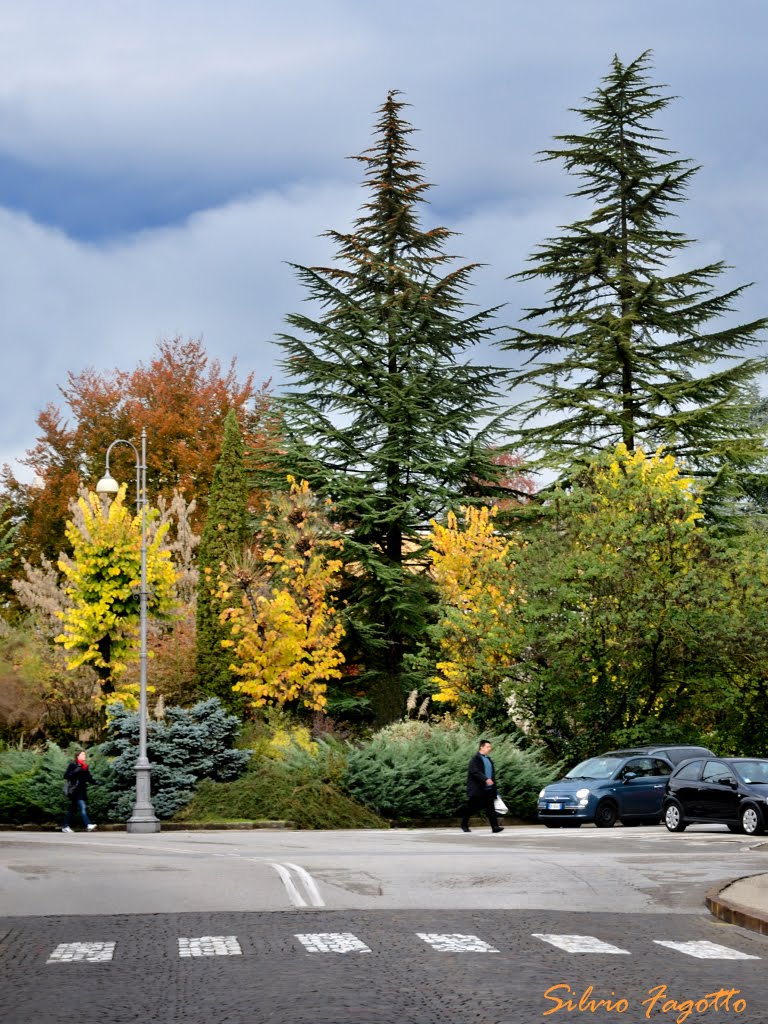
223	535
629	346
382	413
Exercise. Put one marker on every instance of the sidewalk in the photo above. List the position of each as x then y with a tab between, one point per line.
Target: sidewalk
743	902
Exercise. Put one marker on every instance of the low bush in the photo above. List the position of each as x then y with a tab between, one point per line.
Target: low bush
301	786
417	771
31	785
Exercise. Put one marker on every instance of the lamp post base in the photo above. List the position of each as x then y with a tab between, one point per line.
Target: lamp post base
143	818
142	823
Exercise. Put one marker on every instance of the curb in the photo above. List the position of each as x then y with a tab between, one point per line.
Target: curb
170	826
732	912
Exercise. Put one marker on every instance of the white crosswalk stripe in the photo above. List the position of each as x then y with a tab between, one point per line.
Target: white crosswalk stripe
706	950
210	945
82	952
456	943
332	942
449	942
579	943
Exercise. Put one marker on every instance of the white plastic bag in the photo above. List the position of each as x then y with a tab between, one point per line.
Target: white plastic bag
499	806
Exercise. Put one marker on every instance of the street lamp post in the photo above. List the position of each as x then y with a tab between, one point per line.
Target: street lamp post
143	818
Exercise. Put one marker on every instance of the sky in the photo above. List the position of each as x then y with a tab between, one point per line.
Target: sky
163	162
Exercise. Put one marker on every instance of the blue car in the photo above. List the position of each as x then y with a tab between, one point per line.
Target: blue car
621	785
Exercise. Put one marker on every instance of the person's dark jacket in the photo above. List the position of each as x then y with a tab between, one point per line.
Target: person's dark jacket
81	779
476	787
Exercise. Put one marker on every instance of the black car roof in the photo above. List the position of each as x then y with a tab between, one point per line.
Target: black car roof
674	752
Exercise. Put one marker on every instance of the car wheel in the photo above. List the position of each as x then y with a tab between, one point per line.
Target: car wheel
751	821
606	814
673	818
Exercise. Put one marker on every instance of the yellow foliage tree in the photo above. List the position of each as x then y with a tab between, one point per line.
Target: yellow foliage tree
478	631
103	580
284	626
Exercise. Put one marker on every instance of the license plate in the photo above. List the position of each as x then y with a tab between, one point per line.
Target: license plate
554	807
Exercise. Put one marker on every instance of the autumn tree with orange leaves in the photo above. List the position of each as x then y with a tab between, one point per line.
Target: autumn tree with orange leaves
181	397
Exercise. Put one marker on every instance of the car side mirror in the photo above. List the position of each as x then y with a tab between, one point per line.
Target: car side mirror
629	776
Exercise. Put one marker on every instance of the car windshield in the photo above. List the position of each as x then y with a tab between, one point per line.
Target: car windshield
595	768
753	771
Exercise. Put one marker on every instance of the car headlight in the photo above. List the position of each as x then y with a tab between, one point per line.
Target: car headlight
541	794
582	794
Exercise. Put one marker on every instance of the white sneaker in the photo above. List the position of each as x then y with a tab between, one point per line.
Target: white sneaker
91	827
66	829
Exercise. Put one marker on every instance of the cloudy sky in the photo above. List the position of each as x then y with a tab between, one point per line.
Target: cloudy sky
160	161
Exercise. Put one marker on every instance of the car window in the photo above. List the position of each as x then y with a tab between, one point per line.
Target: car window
595	768
715	771
689	771
753	771
660	767
641	767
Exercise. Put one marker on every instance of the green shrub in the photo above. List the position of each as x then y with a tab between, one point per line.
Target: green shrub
188	745
302	786
31	785
417	771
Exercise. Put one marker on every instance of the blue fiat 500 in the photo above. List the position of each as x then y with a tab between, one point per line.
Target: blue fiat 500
622	785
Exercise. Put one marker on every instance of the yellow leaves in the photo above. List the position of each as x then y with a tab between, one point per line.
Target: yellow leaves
658	475
473	569
285	642
104	580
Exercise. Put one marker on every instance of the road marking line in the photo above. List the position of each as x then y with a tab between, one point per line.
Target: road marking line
706	950
293	893
456	943
332	942
79	952
303	878
579	943
309	885
210	945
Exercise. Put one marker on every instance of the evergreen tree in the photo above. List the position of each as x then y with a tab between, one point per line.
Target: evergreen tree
383	414
223	535
629	347
185	746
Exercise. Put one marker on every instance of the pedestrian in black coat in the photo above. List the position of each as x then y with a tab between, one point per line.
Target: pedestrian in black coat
78	776
481	788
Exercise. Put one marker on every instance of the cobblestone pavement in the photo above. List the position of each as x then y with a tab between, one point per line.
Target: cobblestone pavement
399	967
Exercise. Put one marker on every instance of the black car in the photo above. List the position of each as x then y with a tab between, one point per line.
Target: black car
730	791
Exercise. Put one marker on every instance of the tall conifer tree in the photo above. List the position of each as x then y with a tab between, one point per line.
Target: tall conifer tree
630	346
383	414
223	535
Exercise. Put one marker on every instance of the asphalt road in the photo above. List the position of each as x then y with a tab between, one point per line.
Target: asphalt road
396	927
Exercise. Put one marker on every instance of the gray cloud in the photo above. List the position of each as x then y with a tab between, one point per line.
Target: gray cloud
218	133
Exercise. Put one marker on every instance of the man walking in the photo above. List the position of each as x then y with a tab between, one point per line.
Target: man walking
481	788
